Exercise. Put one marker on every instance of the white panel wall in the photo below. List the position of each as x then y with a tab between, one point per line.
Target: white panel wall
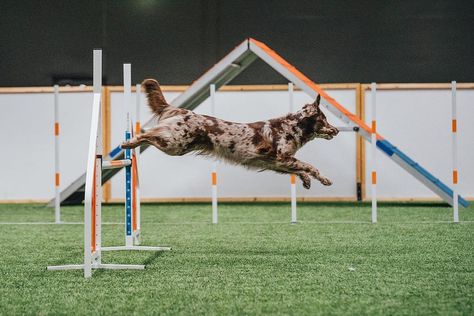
163	176
27	160
418	122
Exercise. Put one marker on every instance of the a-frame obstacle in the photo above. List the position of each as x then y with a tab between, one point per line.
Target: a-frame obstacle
93	194
231	66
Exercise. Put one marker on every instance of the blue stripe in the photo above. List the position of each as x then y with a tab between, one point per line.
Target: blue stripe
128	191
115	151
386	147
425	173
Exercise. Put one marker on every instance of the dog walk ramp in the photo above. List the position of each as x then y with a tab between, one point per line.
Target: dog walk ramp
231	66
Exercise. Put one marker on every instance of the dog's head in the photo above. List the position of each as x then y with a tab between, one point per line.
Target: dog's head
314	123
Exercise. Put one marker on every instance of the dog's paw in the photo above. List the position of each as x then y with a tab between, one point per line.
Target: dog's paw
325	181
306	181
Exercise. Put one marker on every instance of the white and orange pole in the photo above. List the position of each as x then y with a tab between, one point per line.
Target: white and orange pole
136	177
373	147
292	176
57	172
455	153
214	164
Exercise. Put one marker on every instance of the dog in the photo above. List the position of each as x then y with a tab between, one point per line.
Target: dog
263	145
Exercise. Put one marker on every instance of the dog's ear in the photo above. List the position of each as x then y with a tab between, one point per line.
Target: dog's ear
318	100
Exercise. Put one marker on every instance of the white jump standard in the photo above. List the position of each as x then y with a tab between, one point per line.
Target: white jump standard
93	193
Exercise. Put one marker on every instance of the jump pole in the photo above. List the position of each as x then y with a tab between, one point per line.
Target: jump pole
214	164
455	152
373	148
292	176
57	172
93	192
135	178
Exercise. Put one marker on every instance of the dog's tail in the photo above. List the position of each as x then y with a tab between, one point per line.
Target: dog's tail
156	100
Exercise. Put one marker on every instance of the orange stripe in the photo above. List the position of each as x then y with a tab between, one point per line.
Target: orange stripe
56	128
374	177
214	178
454	126
134	194
313	86
57	179
374	127
455	177
137	128
292	179
93	211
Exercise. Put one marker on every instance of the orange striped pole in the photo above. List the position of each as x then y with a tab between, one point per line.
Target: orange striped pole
57	198
455	153
136	177
292	176
214	165
373	148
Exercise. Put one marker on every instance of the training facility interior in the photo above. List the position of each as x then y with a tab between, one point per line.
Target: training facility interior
416	117
88	227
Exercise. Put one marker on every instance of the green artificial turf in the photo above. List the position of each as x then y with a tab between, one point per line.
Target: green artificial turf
413	262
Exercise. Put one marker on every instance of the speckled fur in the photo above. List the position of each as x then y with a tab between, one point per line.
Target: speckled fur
263	145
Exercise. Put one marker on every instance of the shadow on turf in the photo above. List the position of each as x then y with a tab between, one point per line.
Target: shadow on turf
322	203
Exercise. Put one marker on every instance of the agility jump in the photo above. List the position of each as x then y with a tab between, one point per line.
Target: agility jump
93	192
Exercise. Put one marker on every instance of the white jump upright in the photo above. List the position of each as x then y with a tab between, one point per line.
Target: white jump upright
57	172
93	192
292	176
455	153
373	147
214	164
136	177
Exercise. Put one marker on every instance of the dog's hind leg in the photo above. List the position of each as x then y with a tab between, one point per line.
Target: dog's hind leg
145	138
134	142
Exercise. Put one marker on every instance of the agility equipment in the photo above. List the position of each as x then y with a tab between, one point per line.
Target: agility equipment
373	141
292	176
237	61
57	174
455	152
93	193
212	89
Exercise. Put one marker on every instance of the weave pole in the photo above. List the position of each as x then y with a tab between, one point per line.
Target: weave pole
373	148
455	152
57	172
292	176
214	164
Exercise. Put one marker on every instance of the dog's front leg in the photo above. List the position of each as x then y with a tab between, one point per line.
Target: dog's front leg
297	166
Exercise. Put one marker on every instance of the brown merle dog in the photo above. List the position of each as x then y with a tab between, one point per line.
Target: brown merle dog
264	145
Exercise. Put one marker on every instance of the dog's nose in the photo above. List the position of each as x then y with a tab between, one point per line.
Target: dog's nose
335	131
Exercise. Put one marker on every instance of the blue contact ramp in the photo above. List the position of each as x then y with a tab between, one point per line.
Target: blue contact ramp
423	175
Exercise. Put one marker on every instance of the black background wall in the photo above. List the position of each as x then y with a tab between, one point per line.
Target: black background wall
43	42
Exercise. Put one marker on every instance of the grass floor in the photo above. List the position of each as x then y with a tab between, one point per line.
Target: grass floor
413	262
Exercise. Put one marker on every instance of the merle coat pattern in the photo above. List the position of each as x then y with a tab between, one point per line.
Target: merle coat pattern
263	145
